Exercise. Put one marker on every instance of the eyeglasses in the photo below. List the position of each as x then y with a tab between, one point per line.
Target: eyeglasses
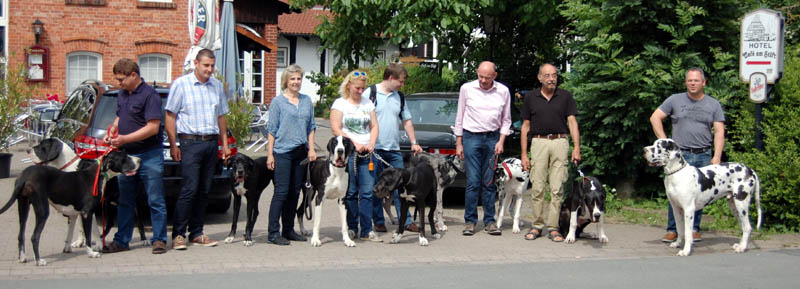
359	73
122	79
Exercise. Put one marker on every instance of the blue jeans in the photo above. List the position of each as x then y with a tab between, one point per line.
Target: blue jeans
287	182
478	156
697	160
198	162
148	175
359	196
395	159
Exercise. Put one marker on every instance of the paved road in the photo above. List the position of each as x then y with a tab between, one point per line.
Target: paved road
477	258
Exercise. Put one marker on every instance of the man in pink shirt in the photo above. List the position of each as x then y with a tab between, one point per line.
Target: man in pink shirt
482	123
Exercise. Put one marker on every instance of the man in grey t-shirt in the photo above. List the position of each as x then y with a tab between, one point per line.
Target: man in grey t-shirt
693	115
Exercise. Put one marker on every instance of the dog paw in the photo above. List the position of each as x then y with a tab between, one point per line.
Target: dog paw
396	238
570	239
675	244
684	253
67	249
423	241
351	234
603	239
79	243
146	243
349	243
305	232
94	254
41	262
515	230
739	249
437	236
315	242
441	226
248	243
229	240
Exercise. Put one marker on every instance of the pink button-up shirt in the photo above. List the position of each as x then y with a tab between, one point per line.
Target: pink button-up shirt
481	110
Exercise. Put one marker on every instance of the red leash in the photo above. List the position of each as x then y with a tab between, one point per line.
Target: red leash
95	189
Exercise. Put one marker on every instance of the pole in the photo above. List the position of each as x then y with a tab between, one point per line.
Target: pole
759	116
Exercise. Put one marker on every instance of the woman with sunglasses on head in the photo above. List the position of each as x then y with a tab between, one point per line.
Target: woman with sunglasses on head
353	116
290	140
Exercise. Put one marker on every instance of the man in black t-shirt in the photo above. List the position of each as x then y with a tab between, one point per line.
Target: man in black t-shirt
548	117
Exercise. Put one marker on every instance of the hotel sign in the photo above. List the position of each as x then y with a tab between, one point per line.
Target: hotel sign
762	45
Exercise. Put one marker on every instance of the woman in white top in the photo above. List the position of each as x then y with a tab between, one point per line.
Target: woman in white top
353	116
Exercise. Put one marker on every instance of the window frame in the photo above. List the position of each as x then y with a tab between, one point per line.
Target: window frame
4	23
162	55
285	62
79	53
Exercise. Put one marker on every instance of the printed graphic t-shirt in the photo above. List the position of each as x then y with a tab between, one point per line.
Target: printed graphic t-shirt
355	118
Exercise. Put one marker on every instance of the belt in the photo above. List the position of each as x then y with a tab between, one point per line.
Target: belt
483	132
550	136
202	137
696	151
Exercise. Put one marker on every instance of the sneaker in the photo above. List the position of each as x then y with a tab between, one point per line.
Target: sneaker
179	243
380	228
205	241
159	247
279	240
412	228
293	236
469	230
670	237
372	237
493	230
696	236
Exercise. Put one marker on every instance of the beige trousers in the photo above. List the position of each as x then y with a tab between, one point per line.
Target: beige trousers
548	157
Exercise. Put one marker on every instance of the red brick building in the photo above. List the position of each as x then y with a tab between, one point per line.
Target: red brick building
86	37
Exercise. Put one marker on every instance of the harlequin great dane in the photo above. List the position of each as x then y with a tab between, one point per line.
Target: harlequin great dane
512	182
690	189
445	168
70	193
586	203
56	153
329	180
414	184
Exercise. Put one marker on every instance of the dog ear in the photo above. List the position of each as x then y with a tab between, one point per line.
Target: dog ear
348	146
249	165
332	145
53	150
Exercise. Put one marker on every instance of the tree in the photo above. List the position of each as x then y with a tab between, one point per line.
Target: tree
630	56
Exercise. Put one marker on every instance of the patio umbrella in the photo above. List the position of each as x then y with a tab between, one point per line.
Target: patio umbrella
203	29
228	55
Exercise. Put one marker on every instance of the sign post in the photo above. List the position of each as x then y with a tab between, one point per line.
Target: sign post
761	58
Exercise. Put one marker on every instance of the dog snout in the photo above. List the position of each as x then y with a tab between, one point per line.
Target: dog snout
340	151
597	217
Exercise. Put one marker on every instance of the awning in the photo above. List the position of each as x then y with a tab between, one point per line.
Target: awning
256	38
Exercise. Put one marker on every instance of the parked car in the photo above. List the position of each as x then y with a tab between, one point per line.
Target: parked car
88	142
434	115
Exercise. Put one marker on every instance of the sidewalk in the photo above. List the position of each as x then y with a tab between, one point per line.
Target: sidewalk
625	242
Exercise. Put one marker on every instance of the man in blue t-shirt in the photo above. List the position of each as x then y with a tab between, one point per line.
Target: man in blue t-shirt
137	131
693	115
387	109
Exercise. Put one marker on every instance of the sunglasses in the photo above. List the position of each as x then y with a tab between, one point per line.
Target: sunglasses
359	73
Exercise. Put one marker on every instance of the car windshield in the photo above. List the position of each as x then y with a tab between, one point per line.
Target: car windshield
432	111
105	113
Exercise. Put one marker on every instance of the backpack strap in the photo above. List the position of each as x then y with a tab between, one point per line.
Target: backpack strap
373	91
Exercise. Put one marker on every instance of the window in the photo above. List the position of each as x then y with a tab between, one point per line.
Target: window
156	67
252	62
3	31
282	57
82	66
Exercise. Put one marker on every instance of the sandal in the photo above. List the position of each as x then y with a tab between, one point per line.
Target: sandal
555	236
533	234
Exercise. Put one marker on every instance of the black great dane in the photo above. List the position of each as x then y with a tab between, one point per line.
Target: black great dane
414	184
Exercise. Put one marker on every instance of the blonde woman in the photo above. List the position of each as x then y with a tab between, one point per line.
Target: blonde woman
290	137
353	116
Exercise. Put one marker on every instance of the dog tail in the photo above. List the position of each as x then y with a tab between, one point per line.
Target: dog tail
758	200
17	190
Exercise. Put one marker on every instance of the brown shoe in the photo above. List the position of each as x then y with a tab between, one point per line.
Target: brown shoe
380	228
670	237
205	241
696	236
159	247
114	247
179	243
469	229
412	228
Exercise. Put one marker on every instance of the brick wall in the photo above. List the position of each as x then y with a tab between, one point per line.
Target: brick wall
114	29
271	35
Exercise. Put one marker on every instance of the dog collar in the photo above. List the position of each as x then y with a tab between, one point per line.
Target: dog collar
668	173
508	171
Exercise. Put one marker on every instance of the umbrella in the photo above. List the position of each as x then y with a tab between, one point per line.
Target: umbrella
228	55
203	29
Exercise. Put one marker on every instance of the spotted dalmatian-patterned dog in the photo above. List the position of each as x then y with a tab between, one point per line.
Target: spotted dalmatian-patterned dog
445	168
689	189
512	182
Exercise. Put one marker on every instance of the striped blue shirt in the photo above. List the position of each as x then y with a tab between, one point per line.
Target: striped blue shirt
197	105
290	124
